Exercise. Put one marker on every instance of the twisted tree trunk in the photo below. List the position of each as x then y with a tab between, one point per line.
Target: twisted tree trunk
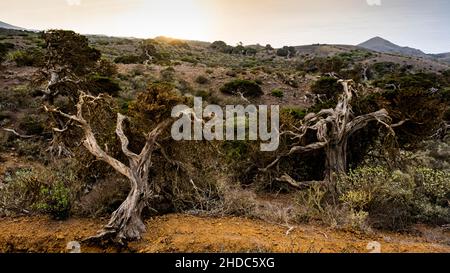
126	222
336	159
333	129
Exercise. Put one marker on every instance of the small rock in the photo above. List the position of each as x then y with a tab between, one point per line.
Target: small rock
73	247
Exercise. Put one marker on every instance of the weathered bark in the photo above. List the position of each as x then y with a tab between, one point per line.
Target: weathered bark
333	129
336	159
126	222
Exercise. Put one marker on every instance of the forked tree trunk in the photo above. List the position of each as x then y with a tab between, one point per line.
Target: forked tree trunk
126	222
333	128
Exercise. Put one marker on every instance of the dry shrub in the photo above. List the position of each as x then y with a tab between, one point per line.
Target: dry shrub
105	197
236	201
395	200
40	190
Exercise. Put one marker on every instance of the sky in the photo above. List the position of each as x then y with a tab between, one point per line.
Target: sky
422	24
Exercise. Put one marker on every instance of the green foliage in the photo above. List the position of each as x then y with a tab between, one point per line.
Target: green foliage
156	103
18	97
32	125
67	48
55	200
22	190
4	48
168	74
41	190
382	69
235	150
202	93
221	46
409	97
418	81
355	55
287	51
246	87
201	80
100	84
128	59
268	47
296	113
278	93
149	48
396	199
327	86
250	51
106	68
29	57
218	45
323	65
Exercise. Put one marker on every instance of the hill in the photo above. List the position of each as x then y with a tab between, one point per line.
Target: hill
444	57
384	46
8	26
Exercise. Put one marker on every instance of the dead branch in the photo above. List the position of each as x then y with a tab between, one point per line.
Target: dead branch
295	184
17	134
125	223
333	128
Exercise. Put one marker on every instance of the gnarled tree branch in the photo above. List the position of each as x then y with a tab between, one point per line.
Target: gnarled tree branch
125	223
333	128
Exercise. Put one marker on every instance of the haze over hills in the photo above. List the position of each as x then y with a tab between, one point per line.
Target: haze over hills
377	44
8	26
382	45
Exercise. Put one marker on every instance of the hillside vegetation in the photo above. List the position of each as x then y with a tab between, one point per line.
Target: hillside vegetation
69	104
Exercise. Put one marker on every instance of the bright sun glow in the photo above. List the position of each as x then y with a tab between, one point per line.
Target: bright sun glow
186	19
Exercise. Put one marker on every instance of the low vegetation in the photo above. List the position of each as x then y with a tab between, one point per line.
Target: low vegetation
84	131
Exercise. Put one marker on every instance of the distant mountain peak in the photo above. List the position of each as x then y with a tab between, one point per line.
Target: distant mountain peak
8	26
382	45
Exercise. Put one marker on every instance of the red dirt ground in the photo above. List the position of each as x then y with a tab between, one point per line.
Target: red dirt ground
185	233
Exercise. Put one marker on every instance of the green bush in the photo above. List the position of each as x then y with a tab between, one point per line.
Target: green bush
100	84
278	93
21	190
55	200
203	93
106	68
128	59
296	113
246	87
323	65
4	48
201	80
41	190
26	57
168	74
327	86
394	200
32	125
418	81
382	69
286	51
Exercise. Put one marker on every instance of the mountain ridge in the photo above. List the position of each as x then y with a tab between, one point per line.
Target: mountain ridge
8	26
382	45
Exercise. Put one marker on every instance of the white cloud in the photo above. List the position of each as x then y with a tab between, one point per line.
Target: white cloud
373	2
73	2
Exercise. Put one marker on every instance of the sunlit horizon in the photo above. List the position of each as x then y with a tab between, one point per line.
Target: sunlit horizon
413	23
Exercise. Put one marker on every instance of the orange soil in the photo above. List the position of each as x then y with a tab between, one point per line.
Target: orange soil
184	233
